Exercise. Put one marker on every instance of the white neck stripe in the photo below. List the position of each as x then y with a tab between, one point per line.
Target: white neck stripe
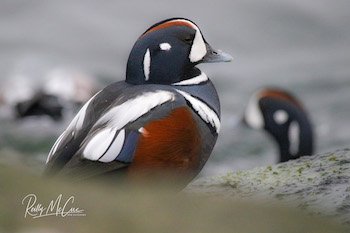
193	81
147	64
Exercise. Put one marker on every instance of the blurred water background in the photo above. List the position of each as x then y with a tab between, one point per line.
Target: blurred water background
302	46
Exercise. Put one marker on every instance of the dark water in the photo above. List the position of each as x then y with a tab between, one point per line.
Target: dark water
303	46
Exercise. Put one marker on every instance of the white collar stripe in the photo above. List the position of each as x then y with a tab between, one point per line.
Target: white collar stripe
193	81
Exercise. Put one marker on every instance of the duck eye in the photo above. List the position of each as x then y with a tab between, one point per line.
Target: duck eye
188	40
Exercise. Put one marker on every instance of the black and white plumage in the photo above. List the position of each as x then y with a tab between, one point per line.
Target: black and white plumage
284	117
164	117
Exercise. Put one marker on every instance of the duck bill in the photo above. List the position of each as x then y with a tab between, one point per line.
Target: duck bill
213	56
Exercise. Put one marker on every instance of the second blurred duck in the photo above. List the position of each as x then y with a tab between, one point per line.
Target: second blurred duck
284	117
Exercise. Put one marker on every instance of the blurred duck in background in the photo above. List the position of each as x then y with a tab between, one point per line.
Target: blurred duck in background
283	117
61	89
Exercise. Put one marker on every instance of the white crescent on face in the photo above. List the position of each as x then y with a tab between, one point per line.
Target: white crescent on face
253	115
198	48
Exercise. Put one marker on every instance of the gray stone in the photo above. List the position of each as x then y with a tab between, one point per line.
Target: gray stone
320	184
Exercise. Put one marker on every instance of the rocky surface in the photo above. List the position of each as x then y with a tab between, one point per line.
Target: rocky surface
319	184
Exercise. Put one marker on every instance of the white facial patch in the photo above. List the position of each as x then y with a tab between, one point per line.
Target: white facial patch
253	115
147	64
280	117
165	46
198	49
205	112
101	146
293	135
193	81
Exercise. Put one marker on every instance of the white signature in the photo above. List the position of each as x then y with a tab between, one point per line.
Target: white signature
57	207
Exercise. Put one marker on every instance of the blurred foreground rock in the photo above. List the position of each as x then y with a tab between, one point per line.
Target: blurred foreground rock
319	184
117	208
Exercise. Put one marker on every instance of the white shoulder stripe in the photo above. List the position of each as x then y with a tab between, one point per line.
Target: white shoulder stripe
203	110
193	81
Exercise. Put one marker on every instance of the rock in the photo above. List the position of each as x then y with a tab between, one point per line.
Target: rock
113	207
320	184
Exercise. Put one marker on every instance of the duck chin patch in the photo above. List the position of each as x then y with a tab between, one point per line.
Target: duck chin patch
198	49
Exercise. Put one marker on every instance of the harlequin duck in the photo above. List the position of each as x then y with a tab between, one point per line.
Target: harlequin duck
163	119
284	117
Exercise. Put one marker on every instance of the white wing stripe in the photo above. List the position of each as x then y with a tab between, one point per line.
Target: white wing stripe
98	144
114	149
104	146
